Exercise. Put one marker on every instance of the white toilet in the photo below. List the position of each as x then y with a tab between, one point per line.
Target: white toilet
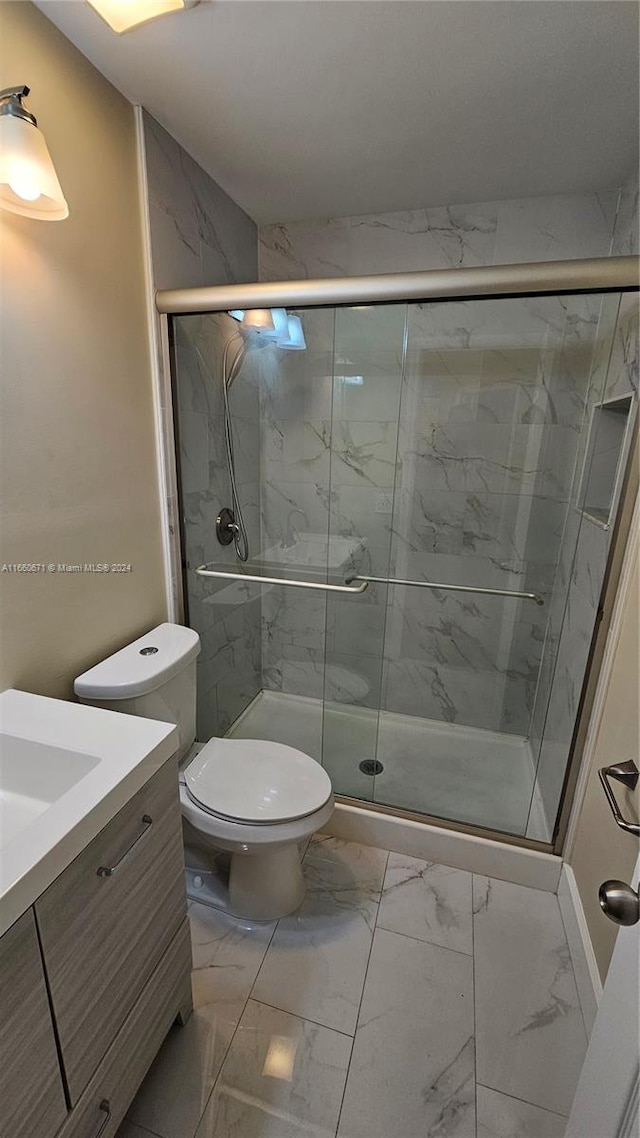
256	800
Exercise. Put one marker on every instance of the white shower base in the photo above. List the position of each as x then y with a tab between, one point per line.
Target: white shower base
446	770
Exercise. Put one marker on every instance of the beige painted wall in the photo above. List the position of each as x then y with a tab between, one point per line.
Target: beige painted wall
600	850
78	462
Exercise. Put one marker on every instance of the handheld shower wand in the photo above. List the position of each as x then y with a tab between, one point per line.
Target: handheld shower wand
230	524
236	524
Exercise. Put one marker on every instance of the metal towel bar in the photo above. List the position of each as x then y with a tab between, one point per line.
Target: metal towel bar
448	588
202	571
359	583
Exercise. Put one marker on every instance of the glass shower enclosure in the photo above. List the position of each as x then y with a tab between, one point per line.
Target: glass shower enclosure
427	490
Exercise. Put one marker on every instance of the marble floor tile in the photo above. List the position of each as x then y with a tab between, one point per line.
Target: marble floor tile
283	1077
316	963
500	1116
427	901
412	1070
531	1039
130	1130
227	955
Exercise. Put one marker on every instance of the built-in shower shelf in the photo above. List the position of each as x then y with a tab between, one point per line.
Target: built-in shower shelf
605	458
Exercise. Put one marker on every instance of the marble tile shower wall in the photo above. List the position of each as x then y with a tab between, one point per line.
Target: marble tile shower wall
493	398
199	236
226	615
497	454
295	432
580	577
453	462
547	228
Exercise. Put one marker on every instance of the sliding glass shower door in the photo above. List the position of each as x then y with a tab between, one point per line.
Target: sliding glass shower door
438	474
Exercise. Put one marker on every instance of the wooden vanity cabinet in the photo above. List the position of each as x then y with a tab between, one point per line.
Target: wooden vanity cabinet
32	1102
93	976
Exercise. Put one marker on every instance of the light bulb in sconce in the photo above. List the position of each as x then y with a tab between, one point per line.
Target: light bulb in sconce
28	181
24	184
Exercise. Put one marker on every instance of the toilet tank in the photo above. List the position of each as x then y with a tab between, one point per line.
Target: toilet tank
154	676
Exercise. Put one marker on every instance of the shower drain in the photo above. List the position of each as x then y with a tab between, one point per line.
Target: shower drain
370	766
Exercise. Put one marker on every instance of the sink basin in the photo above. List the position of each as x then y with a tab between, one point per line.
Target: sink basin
32	777
65	771
315	551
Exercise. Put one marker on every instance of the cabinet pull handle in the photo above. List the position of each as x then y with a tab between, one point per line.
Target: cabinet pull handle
109	870
105	1106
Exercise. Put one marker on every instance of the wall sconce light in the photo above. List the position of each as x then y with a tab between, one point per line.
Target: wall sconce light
28	181
123	15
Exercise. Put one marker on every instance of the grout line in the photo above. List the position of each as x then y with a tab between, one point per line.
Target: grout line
366	975
234	1033
527	1102
302	1018
142	1129
473	984
573	971
421	940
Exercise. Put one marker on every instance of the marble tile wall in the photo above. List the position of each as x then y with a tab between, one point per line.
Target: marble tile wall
547	228
452	462
488	445
200	236
585	548
480	454
488	450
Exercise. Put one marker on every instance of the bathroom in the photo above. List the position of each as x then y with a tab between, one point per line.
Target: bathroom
319	700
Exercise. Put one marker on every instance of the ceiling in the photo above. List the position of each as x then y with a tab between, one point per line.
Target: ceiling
321	108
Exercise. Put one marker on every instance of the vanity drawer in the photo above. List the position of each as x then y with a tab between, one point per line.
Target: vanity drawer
107	920
32	1101
112	1088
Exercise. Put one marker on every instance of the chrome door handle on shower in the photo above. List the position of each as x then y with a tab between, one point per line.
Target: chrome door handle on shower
202	571
626	773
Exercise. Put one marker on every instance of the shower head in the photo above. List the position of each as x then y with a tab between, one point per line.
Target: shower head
273	325
255	319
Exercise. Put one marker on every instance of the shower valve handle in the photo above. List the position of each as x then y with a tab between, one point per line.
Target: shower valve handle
226	526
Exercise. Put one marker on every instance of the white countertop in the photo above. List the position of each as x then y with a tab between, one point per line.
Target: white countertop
107	757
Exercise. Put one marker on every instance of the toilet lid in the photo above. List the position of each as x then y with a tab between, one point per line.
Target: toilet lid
251	780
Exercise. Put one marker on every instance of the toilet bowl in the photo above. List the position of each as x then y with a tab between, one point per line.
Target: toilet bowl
256	800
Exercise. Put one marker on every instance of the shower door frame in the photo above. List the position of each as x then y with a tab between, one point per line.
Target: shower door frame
551	278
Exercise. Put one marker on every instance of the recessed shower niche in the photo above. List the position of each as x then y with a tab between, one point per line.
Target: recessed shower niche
605	458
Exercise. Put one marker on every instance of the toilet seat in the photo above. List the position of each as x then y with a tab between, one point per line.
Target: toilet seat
256	782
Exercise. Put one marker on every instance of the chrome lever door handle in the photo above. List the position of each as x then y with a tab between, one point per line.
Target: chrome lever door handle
619	902
626	773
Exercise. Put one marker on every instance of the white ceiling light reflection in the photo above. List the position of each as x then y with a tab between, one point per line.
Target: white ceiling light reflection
280	1058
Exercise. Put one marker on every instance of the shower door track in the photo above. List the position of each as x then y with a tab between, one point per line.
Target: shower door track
593	274
467	828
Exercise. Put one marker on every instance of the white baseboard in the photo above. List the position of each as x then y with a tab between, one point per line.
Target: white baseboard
448	847
583	958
